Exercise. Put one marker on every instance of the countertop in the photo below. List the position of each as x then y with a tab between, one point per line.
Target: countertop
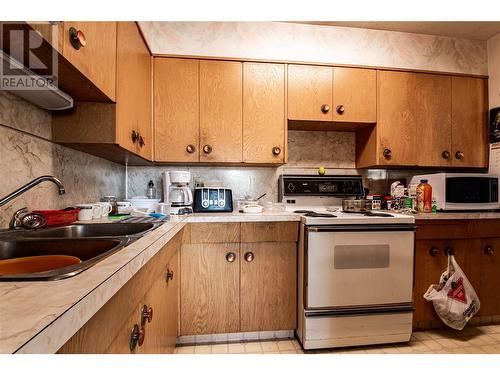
39	317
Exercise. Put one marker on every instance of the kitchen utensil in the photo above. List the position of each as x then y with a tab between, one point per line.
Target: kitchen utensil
124	207
105	208
38	263
88	211
144	204
163	208
259	198
354	205
59	217
112	200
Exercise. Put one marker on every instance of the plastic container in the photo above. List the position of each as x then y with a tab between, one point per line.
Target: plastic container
59	217
424	197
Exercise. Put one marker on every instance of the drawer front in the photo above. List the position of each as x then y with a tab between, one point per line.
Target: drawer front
214	233
270	232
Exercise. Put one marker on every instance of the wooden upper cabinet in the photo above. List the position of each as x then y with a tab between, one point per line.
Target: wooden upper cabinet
432	101
310	93
469	117
264	119
176	109
221	111
397	118
97	59
134	91
354	95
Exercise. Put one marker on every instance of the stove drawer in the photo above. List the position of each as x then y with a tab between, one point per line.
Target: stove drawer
358	268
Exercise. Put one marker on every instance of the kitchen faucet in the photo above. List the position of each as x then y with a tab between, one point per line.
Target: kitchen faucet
16	219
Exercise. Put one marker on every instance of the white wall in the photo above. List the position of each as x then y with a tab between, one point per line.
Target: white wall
494	70
281	41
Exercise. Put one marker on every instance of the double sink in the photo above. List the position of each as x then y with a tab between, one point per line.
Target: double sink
89	242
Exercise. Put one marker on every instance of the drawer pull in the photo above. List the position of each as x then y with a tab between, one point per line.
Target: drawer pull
134	136
387	153
137	336
169	275
77	38
142	141
146	315
434	251
488	250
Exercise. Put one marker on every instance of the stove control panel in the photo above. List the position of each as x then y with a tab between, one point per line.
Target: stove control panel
330	186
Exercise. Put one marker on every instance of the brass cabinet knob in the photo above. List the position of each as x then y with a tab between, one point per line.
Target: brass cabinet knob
276	150
231	257
207	149
249	256
137	336
459	155
146	315
77	38
142	141
134	136
446	154
190	148
340	109
325	108
434	251
488	250
387	153
169	275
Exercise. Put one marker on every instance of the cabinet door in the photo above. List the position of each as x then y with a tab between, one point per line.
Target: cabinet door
264	120
354	95
221	96
433	112
97	59
310	95
176	109
171	303
133	94
469	118
397	120
428	270
490	277
210	301
268	286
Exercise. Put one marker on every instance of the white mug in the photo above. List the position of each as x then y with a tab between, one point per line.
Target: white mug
105	208
88	211
124	207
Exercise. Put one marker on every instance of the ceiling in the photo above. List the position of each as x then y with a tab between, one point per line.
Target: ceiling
468	30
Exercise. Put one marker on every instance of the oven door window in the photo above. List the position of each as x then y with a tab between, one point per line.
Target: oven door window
350	269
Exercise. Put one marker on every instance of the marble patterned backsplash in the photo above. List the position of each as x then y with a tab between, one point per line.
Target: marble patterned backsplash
26	152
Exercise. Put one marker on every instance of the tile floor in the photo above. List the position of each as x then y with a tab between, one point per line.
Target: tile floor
472	340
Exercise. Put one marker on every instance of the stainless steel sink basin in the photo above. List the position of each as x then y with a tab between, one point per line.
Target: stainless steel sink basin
92	230
89	250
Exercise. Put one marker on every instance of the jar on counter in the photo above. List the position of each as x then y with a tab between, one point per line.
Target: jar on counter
377	202
388	202
111	199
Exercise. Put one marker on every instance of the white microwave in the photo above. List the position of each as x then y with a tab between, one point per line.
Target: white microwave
462	191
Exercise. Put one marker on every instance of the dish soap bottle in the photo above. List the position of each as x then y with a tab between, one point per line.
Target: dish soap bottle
151	192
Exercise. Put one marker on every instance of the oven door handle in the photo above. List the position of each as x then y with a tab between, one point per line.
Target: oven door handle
363	228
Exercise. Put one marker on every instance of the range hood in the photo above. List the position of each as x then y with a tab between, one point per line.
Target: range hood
46	95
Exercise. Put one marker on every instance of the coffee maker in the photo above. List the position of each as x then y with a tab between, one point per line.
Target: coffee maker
177	192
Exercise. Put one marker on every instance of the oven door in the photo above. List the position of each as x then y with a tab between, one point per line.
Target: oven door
350	266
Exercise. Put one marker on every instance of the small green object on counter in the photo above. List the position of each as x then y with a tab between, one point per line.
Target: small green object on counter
117	216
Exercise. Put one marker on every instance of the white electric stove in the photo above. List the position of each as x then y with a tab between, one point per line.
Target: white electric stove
355	269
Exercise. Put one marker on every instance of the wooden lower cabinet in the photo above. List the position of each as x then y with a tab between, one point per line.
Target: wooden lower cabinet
108	331
224	289
475	244
268	277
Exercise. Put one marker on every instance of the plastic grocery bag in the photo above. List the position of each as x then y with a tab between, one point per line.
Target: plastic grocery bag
454	298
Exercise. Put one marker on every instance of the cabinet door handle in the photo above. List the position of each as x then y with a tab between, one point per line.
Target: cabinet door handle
387	153
488	250
325	108
231	257
340	109
207	149
276	151
190	149
434	251
446	154
249	256
135	136
169	275
449	251
142	141
146	315
137	336
459	155
77	38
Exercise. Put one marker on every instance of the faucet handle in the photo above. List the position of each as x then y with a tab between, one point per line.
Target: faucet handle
16	221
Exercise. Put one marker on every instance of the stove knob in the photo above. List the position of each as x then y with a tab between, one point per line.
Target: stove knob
291	186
